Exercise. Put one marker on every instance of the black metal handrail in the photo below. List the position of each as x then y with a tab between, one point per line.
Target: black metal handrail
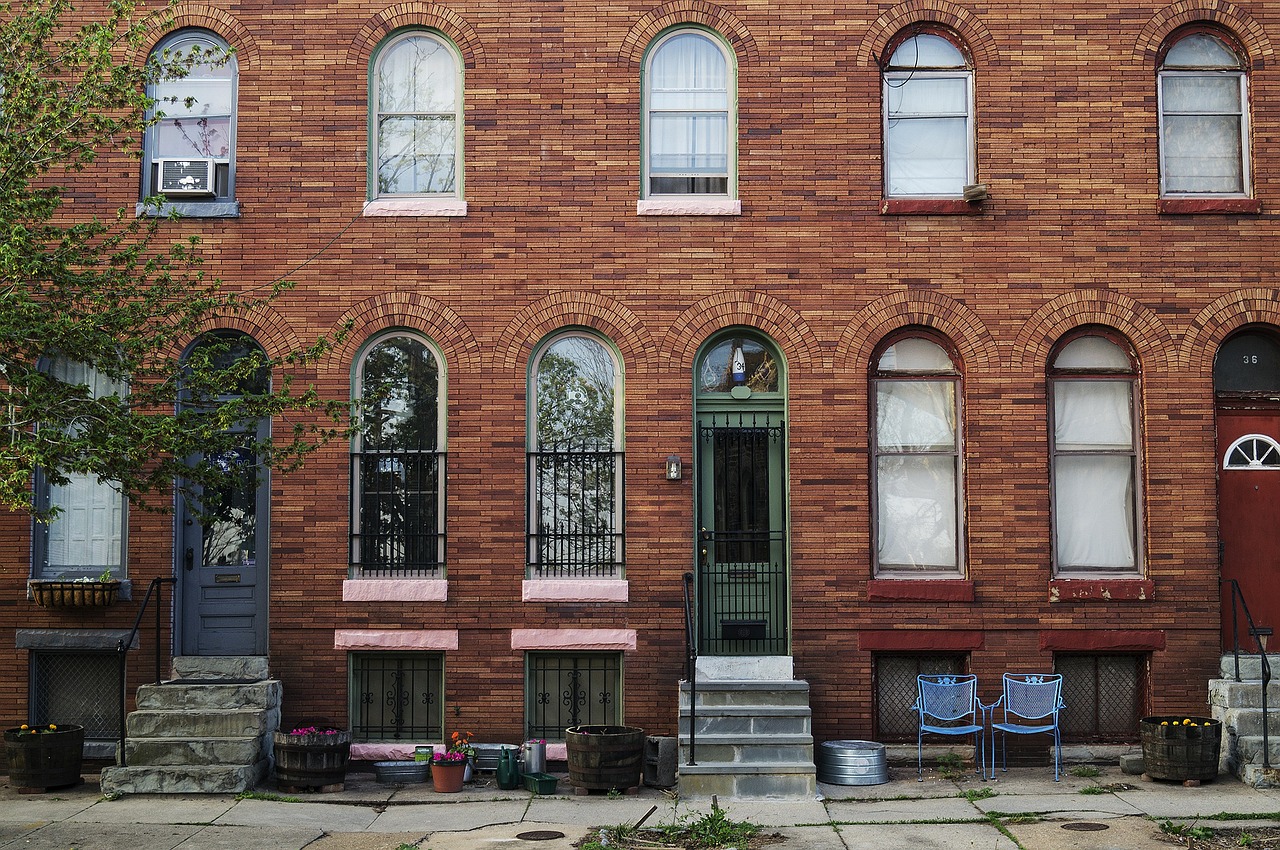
126	643
691	664
1237	605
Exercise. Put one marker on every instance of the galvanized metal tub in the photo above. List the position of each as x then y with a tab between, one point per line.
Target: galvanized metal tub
852	763
401	772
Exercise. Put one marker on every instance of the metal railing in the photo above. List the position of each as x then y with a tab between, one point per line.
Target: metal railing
395	518
691	665
126	643
1238	605
575	524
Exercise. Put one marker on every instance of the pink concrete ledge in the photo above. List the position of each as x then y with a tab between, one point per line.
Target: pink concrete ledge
395	590
386	752
571	590
624	639
689	206
427	639
423	207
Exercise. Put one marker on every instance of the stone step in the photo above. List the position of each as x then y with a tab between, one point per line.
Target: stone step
244	723
172	697
1248	721
1225	693
1250	666
761	751
1249	749
786	692
235	668
748	781
193	752
176	779
1260	777
748	720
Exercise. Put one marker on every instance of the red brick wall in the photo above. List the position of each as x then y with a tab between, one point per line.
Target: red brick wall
1070	236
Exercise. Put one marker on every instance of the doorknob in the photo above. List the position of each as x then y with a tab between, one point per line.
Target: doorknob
191	558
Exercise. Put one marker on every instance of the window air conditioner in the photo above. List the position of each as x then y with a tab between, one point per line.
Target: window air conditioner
186	176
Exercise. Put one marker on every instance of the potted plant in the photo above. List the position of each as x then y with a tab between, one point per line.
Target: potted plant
448	770
1181	748
460	742
84	592
42	757
311	757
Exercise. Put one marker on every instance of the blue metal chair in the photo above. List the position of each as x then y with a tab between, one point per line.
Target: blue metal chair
1028	697
948	705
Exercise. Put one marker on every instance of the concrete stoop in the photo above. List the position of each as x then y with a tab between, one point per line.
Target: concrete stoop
753	740
206	731
1239	706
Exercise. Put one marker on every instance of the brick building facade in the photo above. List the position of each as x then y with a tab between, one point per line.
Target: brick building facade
1058	203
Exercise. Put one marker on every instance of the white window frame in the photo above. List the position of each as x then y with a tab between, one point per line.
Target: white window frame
375	115
1241	76
950	376
1057	377
730	112
897	76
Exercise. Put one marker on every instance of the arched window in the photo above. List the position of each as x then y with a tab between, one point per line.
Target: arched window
398	460
415	123
690	121
1204	120
1094	442
190	153
928	116
917	475
575	459
87	535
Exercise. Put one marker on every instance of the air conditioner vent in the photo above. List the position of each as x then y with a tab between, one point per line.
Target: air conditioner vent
186	176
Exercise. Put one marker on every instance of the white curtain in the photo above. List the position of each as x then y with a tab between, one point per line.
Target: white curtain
1092	415
688	108
1093	512
1202	132
915	416
927	140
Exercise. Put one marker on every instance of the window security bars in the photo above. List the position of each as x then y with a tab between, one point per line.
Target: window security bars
575	503
76	688
397	697
572	690
396	530
1103	696
895	690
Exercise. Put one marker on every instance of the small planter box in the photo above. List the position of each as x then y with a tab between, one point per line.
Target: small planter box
540	783
75	594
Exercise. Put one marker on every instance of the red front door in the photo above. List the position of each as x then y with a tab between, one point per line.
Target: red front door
1249	516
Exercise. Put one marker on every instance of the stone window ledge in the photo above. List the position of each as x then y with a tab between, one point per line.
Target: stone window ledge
689	206
1212	206
574	590
919	590
395	590
95	640
929	206
419	207
565	639
391	639
1101	590
191	209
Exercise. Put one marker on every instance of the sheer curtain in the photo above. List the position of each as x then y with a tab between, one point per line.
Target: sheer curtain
926	139
417	118
689	108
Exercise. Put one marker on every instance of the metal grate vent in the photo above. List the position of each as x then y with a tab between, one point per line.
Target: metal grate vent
895	677
77	687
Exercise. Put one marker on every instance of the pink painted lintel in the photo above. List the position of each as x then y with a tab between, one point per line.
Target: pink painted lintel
426	639
574	590
395	590
624	639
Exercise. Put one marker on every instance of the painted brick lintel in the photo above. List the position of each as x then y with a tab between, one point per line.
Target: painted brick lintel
1101	590
913	640
1109	640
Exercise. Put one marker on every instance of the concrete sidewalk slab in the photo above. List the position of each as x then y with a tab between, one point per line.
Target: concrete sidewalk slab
504	837
1050	805
1129	833
1163	800
60	836
952	836
363	841
19	809
244	837
326	817
180	809
424	818
902	811
811	837
600	810
769	813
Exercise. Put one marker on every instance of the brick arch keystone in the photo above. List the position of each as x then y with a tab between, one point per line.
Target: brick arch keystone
967	25
677	12
1152	340
429	15
569	309
796	341
414	311
1237	20
1222	317
978	349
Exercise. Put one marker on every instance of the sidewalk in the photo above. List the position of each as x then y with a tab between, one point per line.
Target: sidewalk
1023	809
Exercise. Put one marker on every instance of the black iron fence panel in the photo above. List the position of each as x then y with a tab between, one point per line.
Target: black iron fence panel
743	603
575	506
396	527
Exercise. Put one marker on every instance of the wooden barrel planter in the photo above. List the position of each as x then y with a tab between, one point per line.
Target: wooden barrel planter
605	758
311	760
1181	748
44	759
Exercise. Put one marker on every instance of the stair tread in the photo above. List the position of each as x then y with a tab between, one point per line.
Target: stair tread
761	767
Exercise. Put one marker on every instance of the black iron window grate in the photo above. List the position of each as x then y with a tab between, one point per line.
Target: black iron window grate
563	690
1103	696
397	696
81	688
895	691
396	527
575	499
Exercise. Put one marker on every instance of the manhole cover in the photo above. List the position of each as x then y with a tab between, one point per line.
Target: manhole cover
1085	826
540	835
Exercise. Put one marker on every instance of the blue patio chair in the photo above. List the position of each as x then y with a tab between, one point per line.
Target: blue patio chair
948	705
1028	697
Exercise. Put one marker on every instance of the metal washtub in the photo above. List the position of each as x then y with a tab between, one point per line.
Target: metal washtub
852	763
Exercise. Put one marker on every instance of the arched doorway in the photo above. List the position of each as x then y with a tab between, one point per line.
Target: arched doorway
1246	382
741	497
221	543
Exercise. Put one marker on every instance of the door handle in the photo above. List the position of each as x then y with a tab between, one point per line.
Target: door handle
190	559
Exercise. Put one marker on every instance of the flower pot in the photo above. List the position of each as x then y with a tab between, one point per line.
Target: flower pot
312	760
44	759
447	777
1173	750
605	758
75	594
